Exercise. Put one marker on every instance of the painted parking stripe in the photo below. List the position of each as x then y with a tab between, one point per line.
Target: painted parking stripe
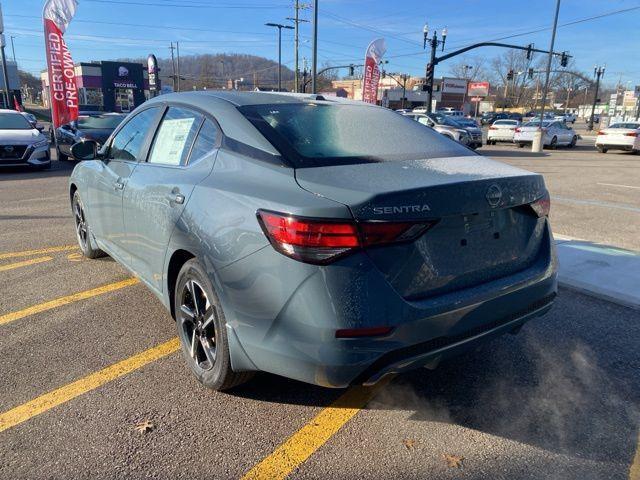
24	263
61	395
634	471
618	185
40	251
58	302
302	444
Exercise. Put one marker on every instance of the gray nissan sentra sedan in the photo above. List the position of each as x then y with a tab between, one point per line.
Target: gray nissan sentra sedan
325	240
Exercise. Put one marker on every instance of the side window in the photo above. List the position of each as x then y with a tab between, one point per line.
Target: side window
423	120
175	136
206	142
129	141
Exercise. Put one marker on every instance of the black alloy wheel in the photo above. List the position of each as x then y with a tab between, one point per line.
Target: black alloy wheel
202	330
83	232
197	317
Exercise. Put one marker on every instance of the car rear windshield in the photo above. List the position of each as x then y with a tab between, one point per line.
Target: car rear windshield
14	121
506	122
99	121
323	134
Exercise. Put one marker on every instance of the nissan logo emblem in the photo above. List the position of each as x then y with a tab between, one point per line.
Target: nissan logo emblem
8	149
494	195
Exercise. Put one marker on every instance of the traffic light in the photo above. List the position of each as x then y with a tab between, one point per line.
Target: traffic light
429	71
564	59
510	75
383	74
352	70
529	52
531	74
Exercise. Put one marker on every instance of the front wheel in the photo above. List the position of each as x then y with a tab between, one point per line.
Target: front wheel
61	156
574	141
520	144
202	330
83	231
602	149
554	143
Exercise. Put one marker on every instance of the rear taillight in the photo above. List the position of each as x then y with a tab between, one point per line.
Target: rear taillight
493	128
600	132
631	134
518	130
542	206
322	241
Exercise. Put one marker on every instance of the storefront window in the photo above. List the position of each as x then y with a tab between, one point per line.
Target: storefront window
91	96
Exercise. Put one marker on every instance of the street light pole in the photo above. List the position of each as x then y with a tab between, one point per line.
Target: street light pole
314	62
429	74
537	144
279	26
598	72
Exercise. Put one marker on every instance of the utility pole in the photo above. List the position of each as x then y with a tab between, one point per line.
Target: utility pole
434	43
297	20
304	75
464	97
279	26
173	68
598	72
314	62
7	94
224	82
178	63
537	143
13	49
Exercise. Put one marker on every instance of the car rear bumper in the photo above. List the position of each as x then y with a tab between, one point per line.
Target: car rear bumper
298	338
619	145
500	137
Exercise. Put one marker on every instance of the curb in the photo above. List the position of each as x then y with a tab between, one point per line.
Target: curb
601	271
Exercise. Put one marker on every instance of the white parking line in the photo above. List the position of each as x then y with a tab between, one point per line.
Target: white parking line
617	185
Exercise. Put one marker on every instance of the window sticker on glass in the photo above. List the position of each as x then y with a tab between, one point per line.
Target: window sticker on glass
170	146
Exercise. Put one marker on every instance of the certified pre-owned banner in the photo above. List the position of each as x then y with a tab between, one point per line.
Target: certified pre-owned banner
63	91
371	77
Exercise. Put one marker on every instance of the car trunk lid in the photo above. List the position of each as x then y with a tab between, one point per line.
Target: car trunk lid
481	232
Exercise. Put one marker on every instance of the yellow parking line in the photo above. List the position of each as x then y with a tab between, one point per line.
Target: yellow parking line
25	263
634	471
302	444
56	397
40	251
58	302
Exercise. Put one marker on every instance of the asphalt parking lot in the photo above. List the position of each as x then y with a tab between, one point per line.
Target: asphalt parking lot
88	355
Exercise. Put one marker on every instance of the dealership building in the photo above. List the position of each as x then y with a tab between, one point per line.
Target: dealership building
107	86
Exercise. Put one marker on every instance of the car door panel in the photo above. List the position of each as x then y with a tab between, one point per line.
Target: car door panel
128	145
154	199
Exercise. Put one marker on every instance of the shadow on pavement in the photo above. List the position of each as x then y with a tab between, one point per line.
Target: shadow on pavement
58	169
516	152
567	383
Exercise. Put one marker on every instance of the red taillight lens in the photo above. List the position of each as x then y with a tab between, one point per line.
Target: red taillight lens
600	132
363	332
542	206
493	128
322	241
631	134
518	129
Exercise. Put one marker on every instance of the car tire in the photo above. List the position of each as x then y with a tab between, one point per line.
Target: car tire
61	156
573	142
602	149
202	330
83	230
520	145
554	143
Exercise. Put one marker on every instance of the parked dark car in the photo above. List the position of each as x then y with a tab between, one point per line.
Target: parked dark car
96	127
489	117
329	241
515	116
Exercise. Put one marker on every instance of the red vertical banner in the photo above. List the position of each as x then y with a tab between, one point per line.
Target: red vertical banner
63	90
371	76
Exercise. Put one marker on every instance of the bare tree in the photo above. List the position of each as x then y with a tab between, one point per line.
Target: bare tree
477	72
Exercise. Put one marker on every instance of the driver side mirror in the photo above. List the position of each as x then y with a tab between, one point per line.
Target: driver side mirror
85	150
39	127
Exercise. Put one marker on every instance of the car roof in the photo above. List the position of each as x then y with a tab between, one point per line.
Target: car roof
242	98
8	110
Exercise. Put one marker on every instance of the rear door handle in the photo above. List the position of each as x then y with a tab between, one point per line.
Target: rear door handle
176	198
119	185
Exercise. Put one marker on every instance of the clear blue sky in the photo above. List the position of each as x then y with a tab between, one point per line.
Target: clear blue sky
129	28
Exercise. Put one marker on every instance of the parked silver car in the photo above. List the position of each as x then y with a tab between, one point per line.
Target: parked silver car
457	133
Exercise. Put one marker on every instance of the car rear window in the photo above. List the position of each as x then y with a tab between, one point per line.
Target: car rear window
321	134
626	125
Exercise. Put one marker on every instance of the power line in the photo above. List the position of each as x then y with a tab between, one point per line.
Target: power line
200	5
